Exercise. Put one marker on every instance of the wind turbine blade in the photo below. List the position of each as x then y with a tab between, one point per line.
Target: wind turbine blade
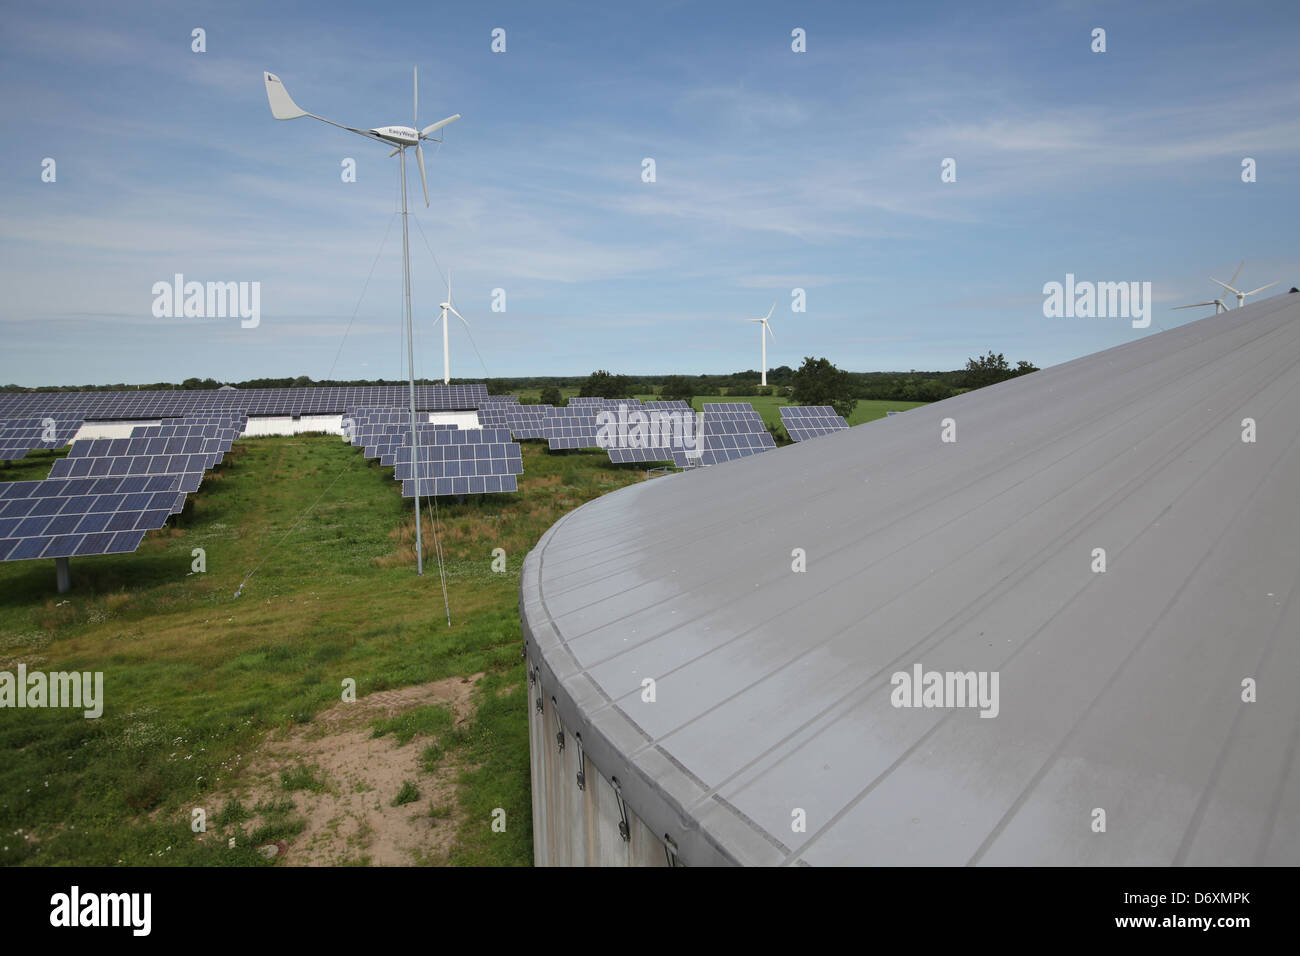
1238	272
415	113
282	105
770	311
1262	288
1196	304
769	331
395	151
458	315
424	180
432	127
1225	285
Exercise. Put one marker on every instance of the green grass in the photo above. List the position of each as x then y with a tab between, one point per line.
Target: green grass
408	794
195	678
33	467
430	721
301	778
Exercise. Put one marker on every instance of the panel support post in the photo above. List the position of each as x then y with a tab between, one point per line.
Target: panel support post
62	575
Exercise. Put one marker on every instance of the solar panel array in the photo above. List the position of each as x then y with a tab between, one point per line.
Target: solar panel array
811	421
82	516
18	436
461	462
731	430
454	461
528	421
374	428
647	433
572	427
493	416
108	492
165	403
384	443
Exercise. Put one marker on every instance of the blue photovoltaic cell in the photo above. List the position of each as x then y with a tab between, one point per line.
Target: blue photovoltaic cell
492	416
18	436
164	403
731	430
528	421
468	461
573	426
810	421
650	433
69	517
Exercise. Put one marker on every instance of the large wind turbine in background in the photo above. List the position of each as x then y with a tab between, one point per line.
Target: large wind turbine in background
446	354
400	137
1241	296
764	331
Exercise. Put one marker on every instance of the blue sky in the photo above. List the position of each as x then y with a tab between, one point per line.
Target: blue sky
774	170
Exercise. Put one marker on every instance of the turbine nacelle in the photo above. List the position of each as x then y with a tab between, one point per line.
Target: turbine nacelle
400	135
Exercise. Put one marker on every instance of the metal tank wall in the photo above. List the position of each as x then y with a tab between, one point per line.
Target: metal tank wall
572	825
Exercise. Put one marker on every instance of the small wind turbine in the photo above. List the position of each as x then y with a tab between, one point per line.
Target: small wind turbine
1241	296
400	137
446	354
763	333
1219	305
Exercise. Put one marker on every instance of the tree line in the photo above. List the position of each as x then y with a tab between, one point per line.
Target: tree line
816	382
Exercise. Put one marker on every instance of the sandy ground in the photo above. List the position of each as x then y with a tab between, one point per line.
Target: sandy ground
352	819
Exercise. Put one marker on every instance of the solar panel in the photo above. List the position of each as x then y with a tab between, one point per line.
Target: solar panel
65	518
731	430
18	436
459	462
573	426
810	421
633	433
316	400
528	421
384	444
492	416
102	457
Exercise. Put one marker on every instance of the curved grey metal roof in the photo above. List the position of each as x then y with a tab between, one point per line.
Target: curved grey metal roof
1120	691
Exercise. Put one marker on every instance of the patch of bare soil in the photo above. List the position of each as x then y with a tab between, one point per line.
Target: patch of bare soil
350	818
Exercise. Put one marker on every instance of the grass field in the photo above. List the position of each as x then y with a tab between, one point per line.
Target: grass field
196	678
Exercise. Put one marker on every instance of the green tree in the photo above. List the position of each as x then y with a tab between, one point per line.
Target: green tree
550	395
677	387
818	382
601	384
991	369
